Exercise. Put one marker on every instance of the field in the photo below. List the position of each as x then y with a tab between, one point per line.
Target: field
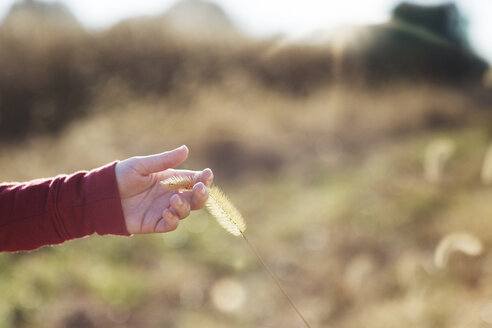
347	191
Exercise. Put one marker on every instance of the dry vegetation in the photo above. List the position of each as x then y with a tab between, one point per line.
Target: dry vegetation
329	177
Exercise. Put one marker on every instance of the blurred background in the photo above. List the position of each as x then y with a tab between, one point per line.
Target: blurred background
355	138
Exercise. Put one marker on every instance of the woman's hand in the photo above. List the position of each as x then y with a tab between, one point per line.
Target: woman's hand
147	205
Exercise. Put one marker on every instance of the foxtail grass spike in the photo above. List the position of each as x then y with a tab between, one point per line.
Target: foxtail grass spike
456	242
179	182
229	217
220	207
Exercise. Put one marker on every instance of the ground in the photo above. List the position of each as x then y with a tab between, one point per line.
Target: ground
333	190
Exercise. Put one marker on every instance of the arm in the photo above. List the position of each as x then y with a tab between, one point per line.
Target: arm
51	211
121	198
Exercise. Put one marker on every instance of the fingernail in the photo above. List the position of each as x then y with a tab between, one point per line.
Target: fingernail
179	201
210	177
202	191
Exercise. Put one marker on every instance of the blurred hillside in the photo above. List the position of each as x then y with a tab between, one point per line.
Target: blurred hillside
362	165
29	17
202	20
52	71
419	43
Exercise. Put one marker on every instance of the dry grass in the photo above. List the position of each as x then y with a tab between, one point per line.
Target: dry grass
331	178
340	208
228	216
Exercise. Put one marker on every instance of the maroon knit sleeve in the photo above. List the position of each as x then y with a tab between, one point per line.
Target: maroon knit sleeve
51	211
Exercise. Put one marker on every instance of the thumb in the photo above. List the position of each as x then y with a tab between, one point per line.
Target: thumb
160	162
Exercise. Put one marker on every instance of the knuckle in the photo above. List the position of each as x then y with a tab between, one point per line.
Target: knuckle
172	224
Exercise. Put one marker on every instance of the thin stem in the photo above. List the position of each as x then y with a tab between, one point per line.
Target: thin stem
276	280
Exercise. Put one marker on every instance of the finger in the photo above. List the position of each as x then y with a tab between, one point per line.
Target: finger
199	196
168	222
180	205
207	177
196	197
160	162
149	221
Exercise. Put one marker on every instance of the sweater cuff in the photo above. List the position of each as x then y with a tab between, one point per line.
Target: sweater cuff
108	217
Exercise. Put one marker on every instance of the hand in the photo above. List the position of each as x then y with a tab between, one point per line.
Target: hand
147	205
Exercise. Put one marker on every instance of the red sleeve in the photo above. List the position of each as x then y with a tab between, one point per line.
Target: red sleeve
51	211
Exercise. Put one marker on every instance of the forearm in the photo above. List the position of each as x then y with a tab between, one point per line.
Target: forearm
51	211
